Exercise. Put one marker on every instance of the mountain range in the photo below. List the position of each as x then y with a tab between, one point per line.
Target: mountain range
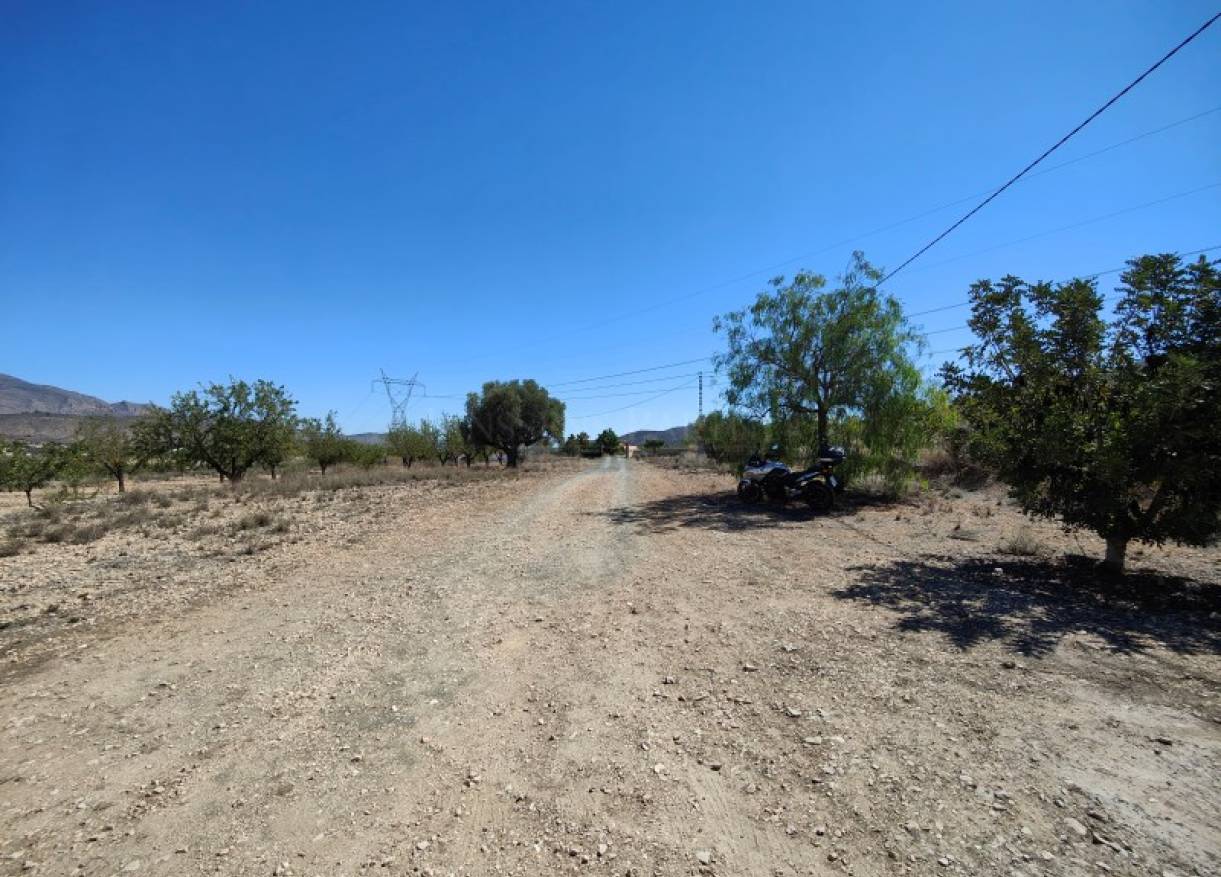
40	413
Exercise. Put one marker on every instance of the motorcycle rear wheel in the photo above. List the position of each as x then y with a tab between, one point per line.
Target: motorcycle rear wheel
819	497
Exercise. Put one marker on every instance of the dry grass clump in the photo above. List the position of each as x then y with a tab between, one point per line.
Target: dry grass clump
11	547
1023	543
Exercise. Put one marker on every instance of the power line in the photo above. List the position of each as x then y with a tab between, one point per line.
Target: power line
633	372
963	304
1071	226
1098	112
638	383
614	395
1109	297
634	404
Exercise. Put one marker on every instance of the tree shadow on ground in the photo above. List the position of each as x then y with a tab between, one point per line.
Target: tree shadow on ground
725	512
1031	604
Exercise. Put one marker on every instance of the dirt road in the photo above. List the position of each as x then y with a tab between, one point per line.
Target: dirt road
615	671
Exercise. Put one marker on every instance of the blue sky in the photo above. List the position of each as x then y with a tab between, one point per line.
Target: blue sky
313	192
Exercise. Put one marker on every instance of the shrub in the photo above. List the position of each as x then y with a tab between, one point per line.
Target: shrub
1023	543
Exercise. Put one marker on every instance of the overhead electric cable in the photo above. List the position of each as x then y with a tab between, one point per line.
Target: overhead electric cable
1098	112
633	372
634	404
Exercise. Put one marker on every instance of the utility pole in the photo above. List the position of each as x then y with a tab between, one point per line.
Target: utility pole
398	391
701	394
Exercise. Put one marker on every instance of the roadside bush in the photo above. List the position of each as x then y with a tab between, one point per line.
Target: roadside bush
11	547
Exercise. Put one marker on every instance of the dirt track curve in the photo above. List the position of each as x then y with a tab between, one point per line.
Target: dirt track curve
606	671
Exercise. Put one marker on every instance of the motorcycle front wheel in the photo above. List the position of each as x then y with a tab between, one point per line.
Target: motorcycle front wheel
749	492
819	497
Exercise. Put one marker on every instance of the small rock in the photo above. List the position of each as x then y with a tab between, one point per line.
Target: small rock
422	845
792	712
704	857
1075	827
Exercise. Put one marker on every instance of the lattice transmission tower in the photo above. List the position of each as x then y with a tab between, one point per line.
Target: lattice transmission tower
398	391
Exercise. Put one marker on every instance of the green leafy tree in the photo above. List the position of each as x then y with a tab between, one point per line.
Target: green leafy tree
226	427
730	437
1111	428
510	415
25	468
805	354
453	440
608	441
323	441
366	455
408	443
111	446
434	440
74	469
472	447
654	444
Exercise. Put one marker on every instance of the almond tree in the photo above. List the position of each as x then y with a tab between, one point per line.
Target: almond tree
109	445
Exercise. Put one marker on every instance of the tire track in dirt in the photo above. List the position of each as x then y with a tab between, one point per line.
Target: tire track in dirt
313	708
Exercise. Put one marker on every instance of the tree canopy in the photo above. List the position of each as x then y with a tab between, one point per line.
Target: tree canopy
227	427
510	415
323	441
608	441
833	365
1113	428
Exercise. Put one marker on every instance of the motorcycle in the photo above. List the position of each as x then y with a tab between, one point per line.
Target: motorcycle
771	479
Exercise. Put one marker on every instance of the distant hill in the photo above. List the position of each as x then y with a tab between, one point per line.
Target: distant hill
369	438
674	437
22	397
42	413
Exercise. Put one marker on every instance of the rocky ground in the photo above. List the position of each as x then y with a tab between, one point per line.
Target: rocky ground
611	668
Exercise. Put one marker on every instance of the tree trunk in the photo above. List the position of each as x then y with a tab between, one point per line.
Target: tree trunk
822	429
1117	550
29	497
272	469
322	466
122	479
511	458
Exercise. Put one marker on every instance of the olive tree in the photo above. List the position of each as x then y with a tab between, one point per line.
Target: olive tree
510	415
1110	427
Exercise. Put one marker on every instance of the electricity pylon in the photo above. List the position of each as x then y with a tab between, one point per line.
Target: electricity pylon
398	391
